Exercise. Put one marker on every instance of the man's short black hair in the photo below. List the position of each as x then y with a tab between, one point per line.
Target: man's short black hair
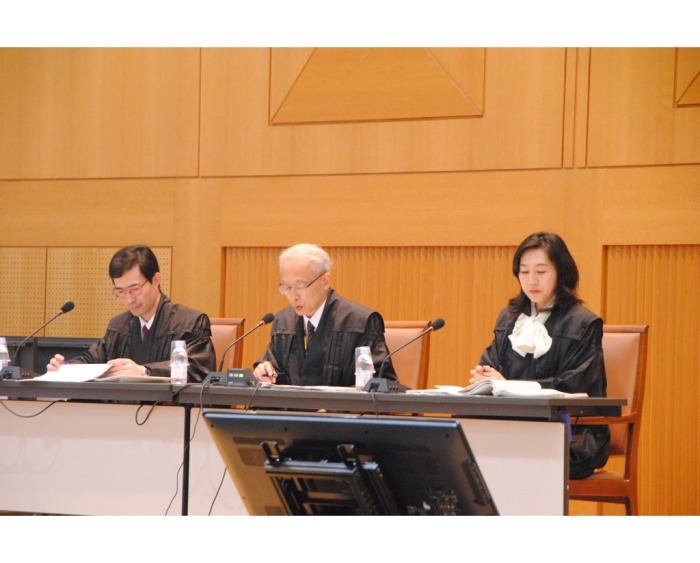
130	256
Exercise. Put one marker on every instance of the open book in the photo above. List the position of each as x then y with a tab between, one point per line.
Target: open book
507	388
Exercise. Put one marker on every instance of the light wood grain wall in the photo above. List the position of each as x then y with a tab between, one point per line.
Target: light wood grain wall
225	156
403	283
658	285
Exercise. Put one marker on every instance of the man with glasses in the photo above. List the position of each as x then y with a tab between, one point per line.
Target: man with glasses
137	342
313	340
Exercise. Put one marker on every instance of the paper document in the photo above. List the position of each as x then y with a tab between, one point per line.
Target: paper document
74	373
507	388
136	379
311	387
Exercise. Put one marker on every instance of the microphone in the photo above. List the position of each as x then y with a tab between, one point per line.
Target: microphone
267	319
237	376
379	383
12	371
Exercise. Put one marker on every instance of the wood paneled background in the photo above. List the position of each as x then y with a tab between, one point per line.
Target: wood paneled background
419	170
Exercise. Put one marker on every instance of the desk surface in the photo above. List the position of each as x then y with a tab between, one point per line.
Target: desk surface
546	408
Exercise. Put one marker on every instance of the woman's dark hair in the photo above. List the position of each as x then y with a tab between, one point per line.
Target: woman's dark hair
131	256
567	273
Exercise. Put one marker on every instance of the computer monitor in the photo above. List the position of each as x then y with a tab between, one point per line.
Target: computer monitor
321	464
36	352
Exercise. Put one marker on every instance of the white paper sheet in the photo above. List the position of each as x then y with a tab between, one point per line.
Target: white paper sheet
74	373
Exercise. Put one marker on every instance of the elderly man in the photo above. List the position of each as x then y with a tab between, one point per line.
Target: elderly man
137	342
313	340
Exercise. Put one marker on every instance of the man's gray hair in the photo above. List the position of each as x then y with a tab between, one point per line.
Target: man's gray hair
320	261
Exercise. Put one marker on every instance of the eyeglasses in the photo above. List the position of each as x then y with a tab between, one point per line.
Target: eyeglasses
132	290
301	286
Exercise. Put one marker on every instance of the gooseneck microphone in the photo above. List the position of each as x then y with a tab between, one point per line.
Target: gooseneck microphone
12	370
267	319
379	383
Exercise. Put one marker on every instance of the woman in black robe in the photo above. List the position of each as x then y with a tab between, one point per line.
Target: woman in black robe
547	335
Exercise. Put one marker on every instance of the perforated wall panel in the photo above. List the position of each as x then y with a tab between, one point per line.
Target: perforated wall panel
22	277
81	275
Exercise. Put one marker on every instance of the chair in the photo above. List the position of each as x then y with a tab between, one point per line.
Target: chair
411	363
223	333
625	351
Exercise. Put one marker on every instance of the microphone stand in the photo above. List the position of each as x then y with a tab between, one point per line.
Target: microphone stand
234	377
380	384
13	371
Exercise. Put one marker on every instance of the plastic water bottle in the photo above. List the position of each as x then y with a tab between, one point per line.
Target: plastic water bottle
4	354
364	366
178	362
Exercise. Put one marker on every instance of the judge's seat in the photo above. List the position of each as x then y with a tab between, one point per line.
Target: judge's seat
625	352
223	332
411	363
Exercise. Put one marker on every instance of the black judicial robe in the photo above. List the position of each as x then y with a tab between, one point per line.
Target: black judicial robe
330	360
172	322
574	364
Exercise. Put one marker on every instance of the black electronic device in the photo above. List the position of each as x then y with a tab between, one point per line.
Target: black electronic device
238	377
320	464
384	385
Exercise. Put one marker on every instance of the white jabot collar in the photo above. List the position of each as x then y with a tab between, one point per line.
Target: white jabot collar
529	335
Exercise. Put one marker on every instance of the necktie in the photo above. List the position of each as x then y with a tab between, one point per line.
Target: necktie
309	334
144	332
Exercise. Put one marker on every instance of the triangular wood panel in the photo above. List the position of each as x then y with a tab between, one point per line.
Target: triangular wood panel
375	84
688	77
691	97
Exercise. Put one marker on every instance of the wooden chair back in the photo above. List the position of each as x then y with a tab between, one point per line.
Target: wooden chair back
411	363
223	332
625	353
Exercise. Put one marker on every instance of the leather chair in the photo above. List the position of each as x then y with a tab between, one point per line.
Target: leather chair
411	363
223	332
625	351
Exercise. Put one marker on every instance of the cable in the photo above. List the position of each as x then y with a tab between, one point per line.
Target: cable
256	386
217	492
8	409
177	487
191	437
136	416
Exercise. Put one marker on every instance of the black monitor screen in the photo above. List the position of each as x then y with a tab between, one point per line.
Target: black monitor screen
36	352
319	464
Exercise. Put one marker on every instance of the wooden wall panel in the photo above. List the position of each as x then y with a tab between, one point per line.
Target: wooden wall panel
43	279
98	113
22	281
521	125
81	275
633	115
658	286
384	210
345	85
88	212
467	287
688	77
651	205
